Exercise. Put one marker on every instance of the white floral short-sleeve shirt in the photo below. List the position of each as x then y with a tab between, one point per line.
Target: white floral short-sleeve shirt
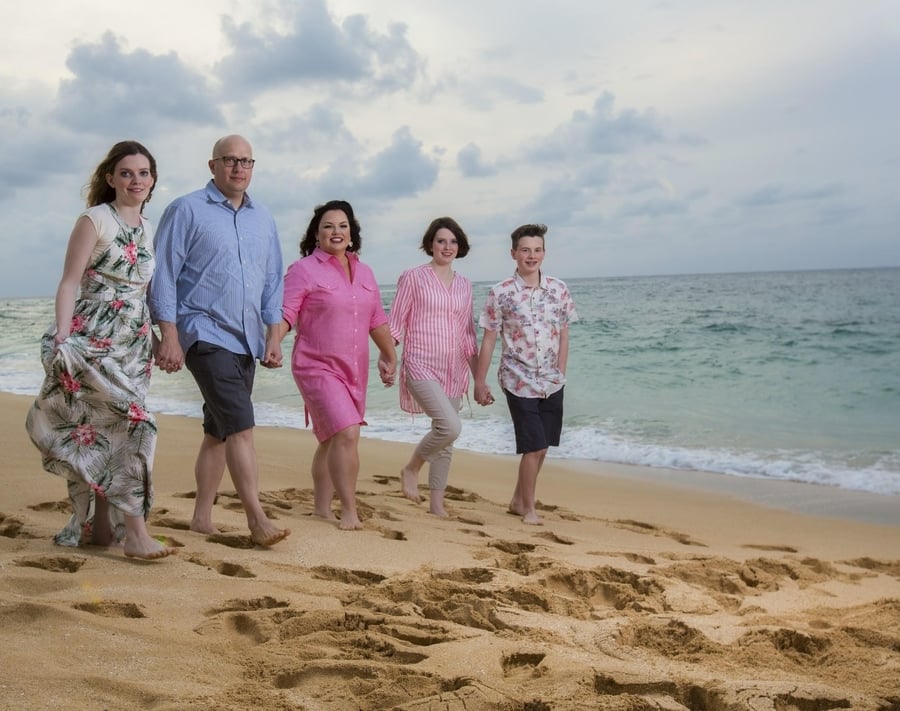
529	321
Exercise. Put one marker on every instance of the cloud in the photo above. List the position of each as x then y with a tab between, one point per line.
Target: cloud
316	50
320	128
400	170
655	207
113	89
774	194
484	93
471	164
661	156
602	131
27	159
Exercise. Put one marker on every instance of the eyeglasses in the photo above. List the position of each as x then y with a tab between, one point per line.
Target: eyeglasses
231	161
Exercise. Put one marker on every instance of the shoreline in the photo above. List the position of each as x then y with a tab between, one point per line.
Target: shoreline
805	498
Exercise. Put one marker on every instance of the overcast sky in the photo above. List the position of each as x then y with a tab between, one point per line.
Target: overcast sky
651	137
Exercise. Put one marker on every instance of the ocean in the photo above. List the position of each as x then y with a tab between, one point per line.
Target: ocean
779	375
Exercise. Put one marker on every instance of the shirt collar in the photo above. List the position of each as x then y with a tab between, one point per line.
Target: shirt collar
520	282
215	195
324	256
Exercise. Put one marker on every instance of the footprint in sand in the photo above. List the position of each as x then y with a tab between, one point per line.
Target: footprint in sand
179	524
231	570
467	575
564	514
641	527
475	532
54	563
343	575
633	557
888	567
385	515
550	536
393	535
61	506
770	548
469	521
111	609
516	661
13	527
269	510
232	540
266	602
454	494
513	547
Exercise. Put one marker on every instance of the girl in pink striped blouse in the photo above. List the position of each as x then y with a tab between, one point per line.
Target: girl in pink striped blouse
432	317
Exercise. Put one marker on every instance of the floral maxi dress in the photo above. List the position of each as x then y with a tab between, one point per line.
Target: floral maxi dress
89	420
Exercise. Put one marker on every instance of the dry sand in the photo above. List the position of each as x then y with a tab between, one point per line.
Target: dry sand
642	590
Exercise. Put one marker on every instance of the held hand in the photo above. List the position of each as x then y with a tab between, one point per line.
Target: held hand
272	360
169	356
483	394
274	356
387	370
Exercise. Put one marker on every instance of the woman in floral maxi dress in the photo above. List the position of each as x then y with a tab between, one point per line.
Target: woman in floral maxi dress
90	421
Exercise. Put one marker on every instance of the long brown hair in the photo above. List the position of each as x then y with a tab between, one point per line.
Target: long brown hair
98	190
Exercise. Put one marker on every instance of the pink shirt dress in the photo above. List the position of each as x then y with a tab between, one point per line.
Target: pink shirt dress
331	317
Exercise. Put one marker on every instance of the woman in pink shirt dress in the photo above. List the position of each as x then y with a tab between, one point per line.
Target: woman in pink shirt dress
332	301
432	317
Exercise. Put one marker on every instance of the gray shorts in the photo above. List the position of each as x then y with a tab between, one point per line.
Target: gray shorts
537	421
225	380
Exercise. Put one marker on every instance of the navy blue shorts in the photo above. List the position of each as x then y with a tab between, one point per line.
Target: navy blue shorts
537	421
225	380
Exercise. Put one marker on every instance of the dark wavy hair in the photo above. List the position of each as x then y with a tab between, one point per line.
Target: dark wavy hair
534	230
98	190
445	223
308	242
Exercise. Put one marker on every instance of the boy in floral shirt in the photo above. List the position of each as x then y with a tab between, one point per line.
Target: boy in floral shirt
532	312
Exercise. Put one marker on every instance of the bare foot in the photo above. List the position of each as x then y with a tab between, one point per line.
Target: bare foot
532	519
350	522
410	484
436	503
147	549
101	530
327	515
101	540
529	516
267	535
516	509
203	527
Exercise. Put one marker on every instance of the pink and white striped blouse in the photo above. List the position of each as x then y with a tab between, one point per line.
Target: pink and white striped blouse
435	324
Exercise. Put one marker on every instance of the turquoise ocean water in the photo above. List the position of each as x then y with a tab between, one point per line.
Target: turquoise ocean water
787	375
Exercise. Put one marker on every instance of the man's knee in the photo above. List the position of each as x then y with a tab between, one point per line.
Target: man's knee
245	435
538	454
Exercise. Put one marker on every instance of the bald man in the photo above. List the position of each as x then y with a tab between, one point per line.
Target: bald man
216	298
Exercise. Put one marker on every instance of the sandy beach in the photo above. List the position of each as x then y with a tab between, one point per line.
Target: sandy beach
642	590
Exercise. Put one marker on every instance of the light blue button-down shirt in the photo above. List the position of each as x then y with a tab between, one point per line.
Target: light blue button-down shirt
218	271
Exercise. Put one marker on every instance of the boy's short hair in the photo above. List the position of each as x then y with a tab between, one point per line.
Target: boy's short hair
536	230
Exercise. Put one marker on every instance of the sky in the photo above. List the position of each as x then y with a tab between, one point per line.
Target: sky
651	137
